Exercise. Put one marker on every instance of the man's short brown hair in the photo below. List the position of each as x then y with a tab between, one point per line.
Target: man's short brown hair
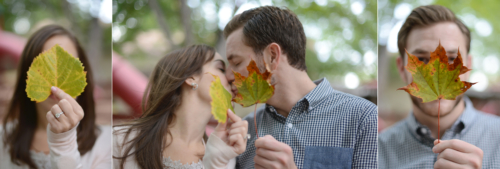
428	15
265	25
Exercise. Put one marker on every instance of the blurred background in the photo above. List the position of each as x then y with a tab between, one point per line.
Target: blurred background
88	20
341	41
481	17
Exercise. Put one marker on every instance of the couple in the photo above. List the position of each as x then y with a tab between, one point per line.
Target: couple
306	124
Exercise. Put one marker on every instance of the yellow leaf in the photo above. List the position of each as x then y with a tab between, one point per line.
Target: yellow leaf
55	67
221	100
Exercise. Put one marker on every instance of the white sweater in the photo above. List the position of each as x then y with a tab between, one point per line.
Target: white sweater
64	151
217	153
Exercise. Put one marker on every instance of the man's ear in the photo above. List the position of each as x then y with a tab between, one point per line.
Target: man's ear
400	63
469	61
273	56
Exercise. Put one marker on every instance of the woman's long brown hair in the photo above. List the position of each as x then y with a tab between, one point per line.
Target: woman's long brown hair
21	119
162	97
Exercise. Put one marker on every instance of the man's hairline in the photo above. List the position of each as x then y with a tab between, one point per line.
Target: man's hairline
421	26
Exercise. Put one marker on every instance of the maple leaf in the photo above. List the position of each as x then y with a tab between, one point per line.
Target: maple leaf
437	79
55	67
221	100
253	89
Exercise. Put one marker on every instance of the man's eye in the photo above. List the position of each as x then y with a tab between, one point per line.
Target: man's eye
422	59
451	59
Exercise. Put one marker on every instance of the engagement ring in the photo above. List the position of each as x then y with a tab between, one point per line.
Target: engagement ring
58	115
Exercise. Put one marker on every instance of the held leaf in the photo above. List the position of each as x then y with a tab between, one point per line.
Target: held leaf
221	100
437	79
253	89
55	67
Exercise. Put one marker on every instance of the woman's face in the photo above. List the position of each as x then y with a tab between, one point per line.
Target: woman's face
216	67
67	45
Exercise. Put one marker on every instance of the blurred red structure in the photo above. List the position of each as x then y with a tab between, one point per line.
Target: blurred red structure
128	83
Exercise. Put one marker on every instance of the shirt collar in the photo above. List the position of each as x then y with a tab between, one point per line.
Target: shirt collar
314	97
311	99
422	132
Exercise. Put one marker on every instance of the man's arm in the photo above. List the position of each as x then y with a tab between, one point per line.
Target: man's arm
365	149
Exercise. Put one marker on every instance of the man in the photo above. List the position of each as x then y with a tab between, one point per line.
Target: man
305	124
469	138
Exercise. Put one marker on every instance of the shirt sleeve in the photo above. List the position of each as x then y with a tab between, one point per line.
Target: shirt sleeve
365	149
64	149
218	154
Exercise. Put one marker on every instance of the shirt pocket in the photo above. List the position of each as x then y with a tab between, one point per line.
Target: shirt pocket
319	157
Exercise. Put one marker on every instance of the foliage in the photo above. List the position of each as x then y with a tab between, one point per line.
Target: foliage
221	100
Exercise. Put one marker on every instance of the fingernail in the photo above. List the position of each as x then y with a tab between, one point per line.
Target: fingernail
53	89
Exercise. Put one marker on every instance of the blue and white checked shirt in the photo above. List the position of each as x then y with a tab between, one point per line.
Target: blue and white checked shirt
408	144
325	129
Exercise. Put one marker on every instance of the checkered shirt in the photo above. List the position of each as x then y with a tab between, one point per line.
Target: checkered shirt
408	144
325	129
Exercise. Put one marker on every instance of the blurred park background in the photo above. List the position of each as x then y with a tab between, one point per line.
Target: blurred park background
341	41
480	16
89	20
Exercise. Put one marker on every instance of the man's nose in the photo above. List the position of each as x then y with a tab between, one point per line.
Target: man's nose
230	76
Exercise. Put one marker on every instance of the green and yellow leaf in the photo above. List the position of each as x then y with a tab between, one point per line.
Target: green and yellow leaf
437	79
55	67
221	100
253	89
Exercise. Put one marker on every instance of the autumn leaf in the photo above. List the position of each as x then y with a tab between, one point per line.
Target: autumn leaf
55	67
253	89
221	100
437	79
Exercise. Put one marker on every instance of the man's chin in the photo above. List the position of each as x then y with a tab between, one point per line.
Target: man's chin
431	108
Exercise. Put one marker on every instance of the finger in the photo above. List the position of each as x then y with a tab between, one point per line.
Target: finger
268	142
233	116
60	94
454	156
263	162
268	154
68	111
54	124
237	142
221	127
240	130
63	120
233	139
445	164
455	144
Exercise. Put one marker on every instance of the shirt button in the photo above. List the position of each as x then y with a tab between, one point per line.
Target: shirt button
310	108
289	125
423	131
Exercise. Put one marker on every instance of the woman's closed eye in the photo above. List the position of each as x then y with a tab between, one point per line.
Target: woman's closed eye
222	70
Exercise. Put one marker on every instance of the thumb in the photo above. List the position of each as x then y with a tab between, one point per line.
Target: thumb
60	94
221	126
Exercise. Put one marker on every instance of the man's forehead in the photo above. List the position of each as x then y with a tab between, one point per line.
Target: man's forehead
427	38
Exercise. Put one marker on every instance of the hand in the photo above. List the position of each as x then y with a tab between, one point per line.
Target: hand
234	134
71	116
271	153
457	154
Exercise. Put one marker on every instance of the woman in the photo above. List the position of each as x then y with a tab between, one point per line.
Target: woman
176	110
34	136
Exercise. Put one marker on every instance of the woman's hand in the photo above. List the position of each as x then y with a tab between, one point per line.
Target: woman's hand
233	133
64	115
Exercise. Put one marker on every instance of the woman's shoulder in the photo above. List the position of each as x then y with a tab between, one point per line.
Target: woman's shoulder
122	134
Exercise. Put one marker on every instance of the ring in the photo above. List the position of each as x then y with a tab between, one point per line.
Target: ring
58	115
248	137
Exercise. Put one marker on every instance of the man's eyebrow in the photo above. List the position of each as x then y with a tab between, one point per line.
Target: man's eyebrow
452	51
232	56
420	51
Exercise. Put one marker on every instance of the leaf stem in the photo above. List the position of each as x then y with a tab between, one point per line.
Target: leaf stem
439	107
255	121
